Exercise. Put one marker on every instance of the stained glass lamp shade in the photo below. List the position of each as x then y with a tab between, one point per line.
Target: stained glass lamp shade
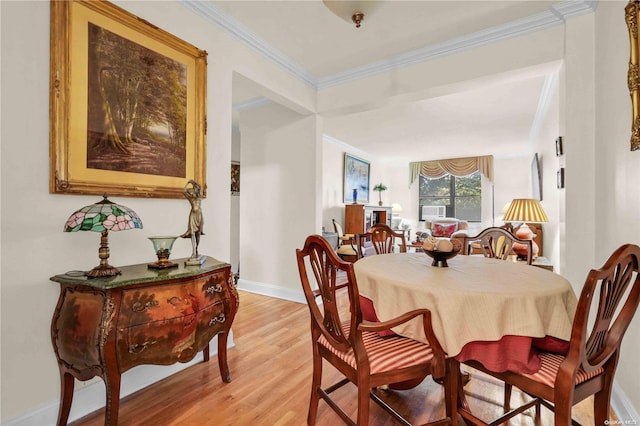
103	217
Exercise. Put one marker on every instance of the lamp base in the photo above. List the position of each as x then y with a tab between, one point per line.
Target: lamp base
162	265
195	261
103	270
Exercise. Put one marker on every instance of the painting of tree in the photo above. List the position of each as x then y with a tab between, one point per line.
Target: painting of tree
137	107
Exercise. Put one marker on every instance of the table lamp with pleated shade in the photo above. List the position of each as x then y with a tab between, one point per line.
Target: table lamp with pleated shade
103	217
525	210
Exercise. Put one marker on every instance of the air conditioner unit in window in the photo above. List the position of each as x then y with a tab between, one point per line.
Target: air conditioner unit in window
432	212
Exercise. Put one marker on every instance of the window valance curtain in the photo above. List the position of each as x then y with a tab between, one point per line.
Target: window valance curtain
454	166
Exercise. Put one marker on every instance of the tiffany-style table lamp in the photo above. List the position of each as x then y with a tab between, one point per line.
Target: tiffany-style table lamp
103	217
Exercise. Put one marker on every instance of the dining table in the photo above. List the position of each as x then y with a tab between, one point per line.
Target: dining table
497	312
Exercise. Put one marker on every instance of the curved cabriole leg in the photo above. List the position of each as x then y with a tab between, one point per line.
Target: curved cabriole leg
205	353
222	357
67	382
112	384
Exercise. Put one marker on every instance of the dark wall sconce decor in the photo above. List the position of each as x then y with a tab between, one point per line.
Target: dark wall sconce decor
561	178
559	149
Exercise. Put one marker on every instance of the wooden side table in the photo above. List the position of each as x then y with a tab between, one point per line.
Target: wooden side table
417	247
542	262
106	326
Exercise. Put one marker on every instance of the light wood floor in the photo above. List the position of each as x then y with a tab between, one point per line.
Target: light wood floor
271	371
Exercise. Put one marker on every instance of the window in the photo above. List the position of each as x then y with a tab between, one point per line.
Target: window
462	196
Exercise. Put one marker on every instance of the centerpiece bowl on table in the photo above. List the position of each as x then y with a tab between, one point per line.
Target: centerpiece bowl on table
441	249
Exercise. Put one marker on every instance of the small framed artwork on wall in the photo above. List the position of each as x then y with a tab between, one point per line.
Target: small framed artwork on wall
235	178
561	178
559	149
356	180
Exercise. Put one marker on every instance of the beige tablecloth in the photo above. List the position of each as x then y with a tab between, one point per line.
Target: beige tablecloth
474	299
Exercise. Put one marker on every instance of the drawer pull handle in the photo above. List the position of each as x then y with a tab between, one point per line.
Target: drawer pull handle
141	307
214	289
138	348
219	319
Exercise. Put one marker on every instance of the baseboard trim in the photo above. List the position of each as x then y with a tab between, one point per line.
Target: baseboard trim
91	397
271	290
623	408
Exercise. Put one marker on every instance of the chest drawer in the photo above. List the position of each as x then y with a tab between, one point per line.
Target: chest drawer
160	303
170	340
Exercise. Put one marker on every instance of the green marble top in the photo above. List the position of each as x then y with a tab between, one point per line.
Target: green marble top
137	274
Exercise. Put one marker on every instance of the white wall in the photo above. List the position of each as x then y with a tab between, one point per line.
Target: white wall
280	199
544	145
234	216
333	178
332	184
577	118
512	180
616	172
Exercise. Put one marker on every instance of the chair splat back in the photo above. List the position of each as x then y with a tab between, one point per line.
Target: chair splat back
617	278
325	266
382	238
498	243
355	347
590	365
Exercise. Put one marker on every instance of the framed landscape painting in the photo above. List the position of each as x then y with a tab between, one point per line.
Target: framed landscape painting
356	180
127	104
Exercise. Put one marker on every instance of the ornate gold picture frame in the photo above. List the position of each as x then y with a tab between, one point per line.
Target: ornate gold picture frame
127	104
633	76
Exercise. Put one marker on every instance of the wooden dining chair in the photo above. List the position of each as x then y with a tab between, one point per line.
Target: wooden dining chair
346	244
383	239
353	346
498	243
590	364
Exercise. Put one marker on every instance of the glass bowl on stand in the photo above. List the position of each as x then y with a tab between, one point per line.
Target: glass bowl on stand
162	247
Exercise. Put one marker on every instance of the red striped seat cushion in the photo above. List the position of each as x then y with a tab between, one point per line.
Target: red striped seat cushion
386	353
549	370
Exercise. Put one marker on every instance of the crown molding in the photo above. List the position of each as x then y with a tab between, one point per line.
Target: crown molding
215	15
559	13
352	149
556	15
252	103
568	9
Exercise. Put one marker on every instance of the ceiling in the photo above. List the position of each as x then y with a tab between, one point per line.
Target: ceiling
320	48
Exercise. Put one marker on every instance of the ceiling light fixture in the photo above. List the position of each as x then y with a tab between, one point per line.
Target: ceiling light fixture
351	10
357	17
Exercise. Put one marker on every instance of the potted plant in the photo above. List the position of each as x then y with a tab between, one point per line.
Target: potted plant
379	188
